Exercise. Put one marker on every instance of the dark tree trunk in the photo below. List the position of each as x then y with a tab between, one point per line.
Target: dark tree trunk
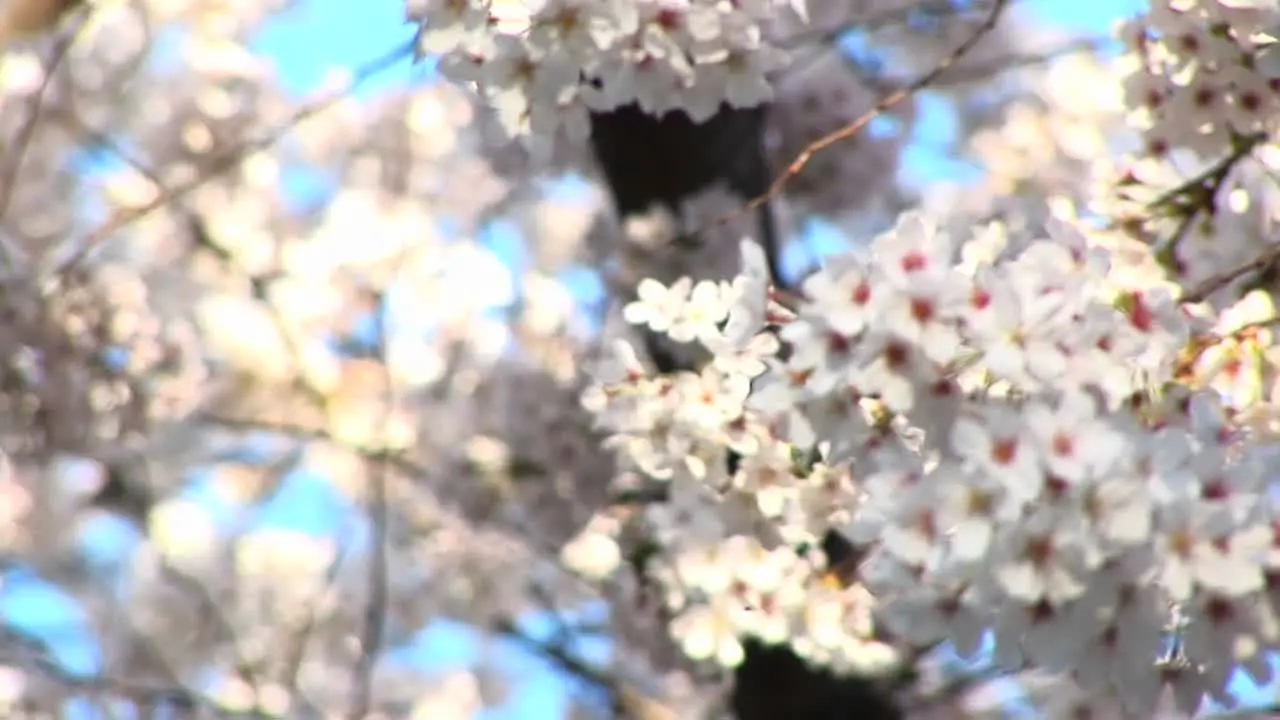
665	161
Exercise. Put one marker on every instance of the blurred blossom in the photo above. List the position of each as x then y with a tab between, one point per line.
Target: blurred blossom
238	228
488	454
235	694
113	38
369	426
1054	138
361	229
559	227
312	301
594	552
428	117
472	187
13	684
239	483
475	280
15	504
274	699
413	360
76	478
317	139
547	305
261	170
456	695
221	58
274	555
487	338
20	73
183	532
346	469
1055	336
129	188
245	336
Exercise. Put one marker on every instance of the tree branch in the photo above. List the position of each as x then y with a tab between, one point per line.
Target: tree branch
986	26
377	601
22	650
228	161
16	153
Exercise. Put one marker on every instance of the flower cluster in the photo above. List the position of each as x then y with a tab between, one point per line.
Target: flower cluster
88	368
721	578
1055	434
542	65
1029	436
999	429
145	363
1204	71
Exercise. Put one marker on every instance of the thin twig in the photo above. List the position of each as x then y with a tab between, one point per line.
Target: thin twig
1268	259
21	649
230	160
1008	63
1210	180
567	661
295	655
378	601
1204	189
204	239
16	153
868	22
392	458
986	26
376	604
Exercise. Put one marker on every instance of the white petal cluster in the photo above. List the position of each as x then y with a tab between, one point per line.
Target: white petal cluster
1203	72
1002	437
543	63
1056	435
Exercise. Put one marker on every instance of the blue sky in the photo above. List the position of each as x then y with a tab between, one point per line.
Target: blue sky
306	42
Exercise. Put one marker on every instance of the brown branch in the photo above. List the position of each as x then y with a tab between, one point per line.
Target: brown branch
231	159
1210	180
204	239
1203	190
1008	63
15	154
625	701
377	602
296	653
393	459
1265	261
24	651
986	26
